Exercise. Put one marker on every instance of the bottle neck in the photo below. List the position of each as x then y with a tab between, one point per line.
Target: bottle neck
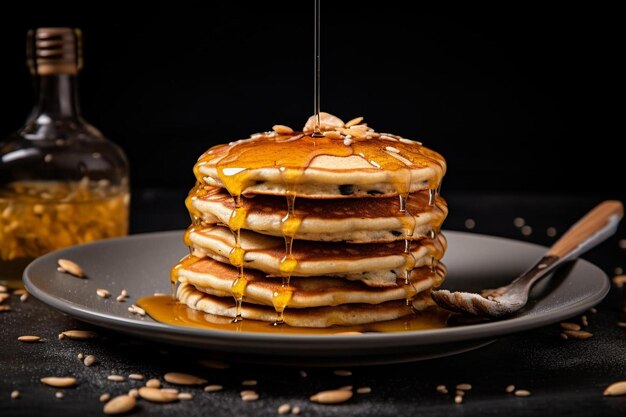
58	99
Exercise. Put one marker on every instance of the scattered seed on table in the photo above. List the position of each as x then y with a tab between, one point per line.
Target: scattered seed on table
153	383
522	393
458	399
213	388
15	394
519	222
89	360
172	391
80	356
156	395
363	390
331	397
124	293
342	372
621	324
29	339
564	336
80	334
570	326
551	231
303	374
464	387
527	230
116	378
59	395
460	392
246	392
295	410
593	310
185	396
178	378
61	336
441	389
5	308
283	409
105	397
134	392
120	405
578	334
510	388
249	382
346	388
470	224
59	382
24	297
250	397
615	389
584	321
136	377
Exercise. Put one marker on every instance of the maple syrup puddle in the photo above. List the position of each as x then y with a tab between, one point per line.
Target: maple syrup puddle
164	309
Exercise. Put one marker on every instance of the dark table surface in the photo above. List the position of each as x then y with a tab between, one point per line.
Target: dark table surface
565	377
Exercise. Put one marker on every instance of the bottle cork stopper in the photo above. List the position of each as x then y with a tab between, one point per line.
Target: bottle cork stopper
54	51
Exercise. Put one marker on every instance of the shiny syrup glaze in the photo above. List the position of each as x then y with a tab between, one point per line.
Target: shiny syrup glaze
291	155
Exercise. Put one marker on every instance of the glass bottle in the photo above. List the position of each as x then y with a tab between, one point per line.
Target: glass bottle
61	182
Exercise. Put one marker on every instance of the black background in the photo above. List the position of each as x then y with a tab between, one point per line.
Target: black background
517	98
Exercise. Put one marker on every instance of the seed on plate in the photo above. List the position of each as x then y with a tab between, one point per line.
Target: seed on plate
295	410
153	383
103	293
213	364
283	409
578	334
363	390
59	382
178	378
249	383
213	388
29	339
331	397
120	405
15	394
570	326
464	387
61	270
105	397
331	134
185	396
137	310
615	389
253	396
89	360
458	399
342	372
510	388
441	389
282	129
124	293
156	395
521	393
24	297
59	395
347	141
584	321
71	267
134	392
80	334
116	378
136	377
120	298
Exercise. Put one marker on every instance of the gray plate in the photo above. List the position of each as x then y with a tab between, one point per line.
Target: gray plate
141	264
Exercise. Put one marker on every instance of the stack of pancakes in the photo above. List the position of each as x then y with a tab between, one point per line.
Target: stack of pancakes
334	225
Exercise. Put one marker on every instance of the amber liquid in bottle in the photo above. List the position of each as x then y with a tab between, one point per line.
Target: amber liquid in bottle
61	182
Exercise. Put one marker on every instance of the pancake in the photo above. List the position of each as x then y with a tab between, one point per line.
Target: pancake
216	278
349	161
353	220
378	264
343	315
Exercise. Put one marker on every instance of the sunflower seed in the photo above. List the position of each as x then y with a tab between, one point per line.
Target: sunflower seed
3	296
615	389
120	405
510	388
331	397
183	379
521	393
136	377
124	293
105	397
137	310
284	409
59	395
519	222
593	310
153	383
363	390
621	324
441	389
303	374
213	364
5	308
134	392
61	336
570	326
15	394
464	387
619	280
578	334
61	270
103	293
116	378
213	388
458	399
80	356
80	334
282	129
346	388
3	288
89	360
342	372
354	122
331	134
29	339
347	141
59	382
249	383
170	391
71	267
584	321
246	392
24	297
295	410
156	395
250	396
185	396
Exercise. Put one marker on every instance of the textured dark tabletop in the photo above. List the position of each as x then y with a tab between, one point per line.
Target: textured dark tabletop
565	377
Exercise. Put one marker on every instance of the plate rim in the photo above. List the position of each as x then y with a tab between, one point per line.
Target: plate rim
401	339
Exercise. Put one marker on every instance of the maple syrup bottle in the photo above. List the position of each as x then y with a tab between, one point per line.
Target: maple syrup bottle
61	182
